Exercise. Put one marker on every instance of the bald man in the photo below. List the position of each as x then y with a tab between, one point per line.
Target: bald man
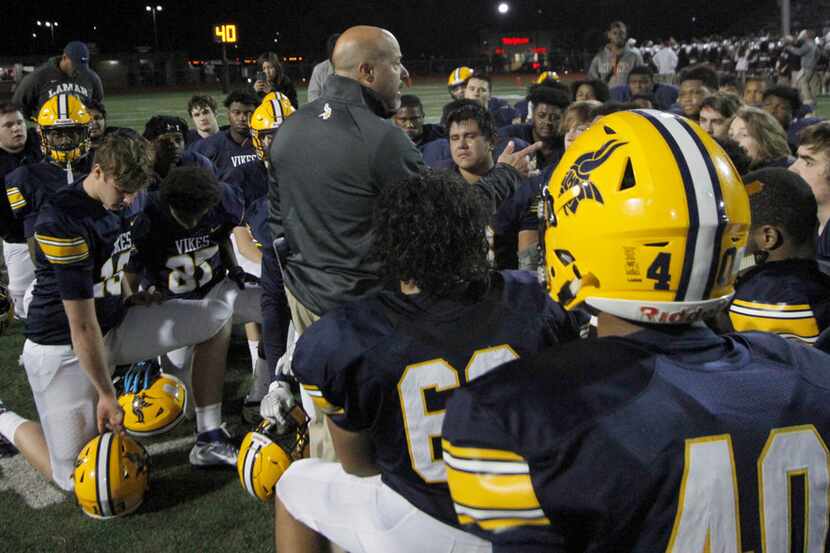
328	162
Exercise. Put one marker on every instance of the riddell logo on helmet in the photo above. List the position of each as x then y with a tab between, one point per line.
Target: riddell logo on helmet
651	314
579	176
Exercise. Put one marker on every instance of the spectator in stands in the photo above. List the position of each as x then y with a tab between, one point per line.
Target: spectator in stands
590	90
480	88
544	80
813	165
716	113
728	82
322	70
232	148
275	80
98	127
665	60
696	83
754	87
641	83
805	48
410	118
548	105
785	292
69	73
612	64
576	120
202	110
784	103
761	136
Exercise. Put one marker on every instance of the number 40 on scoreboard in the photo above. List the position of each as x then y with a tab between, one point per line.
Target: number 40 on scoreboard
225	33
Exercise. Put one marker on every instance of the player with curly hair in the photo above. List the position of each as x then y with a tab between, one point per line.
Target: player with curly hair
371	364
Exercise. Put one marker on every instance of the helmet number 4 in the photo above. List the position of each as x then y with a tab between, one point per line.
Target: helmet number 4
659	271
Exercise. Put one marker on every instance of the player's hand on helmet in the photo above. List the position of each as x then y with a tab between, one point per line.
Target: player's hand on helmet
277	402
240	277
520	160
109	414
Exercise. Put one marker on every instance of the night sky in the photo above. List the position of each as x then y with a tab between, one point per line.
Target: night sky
425	28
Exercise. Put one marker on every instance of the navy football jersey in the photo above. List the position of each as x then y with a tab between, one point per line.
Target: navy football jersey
790	298
251	180
82	249
11	228
387	365
669	439
180	262
224	153
30	186
256	217
823	243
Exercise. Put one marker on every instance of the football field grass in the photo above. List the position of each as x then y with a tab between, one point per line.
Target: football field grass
186	509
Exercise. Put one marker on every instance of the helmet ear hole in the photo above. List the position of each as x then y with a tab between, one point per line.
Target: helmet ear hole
628	180
565	257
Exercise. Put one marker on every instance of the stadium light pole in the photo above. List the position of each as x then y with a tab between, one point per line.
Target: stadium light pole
785	17
153	10
51	25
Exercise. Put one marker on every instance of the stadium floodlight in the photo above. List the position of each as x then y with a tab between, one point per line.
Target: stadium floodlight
153	10
503	8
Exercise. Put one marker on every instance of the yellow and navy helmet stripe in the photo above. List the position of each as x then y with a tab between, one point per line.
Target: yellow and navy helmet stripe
103	490
63	251
704	199
796	322
16	199
250	463
491	488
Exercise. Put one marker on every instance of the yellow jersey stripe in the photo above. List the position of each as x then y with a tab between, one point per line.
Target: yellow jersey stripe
58	241
325	406
62	251
493	492
479	453
803	329
16	199
770	306
495	525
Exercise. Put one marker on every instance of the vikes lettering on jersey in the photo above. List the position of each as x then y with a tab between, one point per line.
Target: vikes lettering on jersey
70	88
192	244
113	268
243	159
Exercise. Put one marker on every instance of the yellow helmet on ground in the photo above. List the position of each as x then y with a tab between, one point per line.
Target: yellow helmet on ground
267	118
646	219
111	475
266	453
459	76
63	125
153	407
545	76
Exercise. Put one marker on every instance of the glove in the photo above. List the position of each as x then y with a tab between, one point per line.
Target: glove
277	402
240	277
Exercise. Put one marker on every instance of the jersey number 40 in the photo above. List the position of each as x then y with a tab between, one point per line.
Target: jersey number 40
707	514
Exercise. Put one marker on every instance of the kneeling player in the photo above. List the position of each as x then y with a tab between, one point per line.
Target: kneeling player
80	326
652	436
382	369
183	249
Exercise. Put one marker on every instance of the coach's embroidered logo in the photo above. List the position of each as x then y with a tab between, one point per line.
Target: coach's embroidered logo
577	182
326	114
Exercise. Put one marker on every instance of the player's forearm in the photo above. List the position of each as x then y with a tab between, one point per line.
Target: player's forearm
246	244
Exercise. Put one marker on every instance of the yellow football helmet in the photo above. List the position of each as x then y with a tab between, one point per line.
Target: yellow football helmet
112	473
267	118
647	219
545	76
155	409
63	124
459	76
266	453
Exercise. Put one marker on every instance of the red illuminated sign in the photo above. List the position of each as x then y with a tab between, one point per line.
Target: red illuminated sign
540	50
515	40
499	51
